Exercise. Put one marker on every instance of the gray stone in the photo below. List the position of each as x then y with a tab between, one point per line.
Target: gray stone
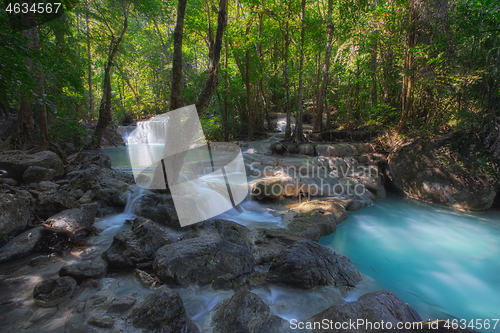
137	245
78	221
84	270
306	264
21	245
16	163
53	291
159	208
420	170
101	321
45	186
373	307
54	201
122	304
35	174
201	260
15	213
245	312
163	310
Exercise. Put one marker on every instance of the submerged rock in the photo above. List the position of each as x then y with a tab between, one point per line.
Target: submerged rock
84	270
21	245
426	171
201	260
163	310
54	291
246	312
372	307
15	213
137	245
307	264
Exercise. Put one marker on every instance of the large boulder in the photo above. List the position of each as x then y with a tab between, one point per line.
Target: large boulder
54	201
36	174
201	260
227	230
374	307
306	265
163	310
316	218
53	291
21	245
78	221
431	171
15	212
84	270
16	163
157	207
245	312
137	245
92	172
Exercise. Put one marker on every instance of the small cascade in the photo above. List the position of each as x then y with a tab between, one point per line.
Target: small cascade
152	131
280	124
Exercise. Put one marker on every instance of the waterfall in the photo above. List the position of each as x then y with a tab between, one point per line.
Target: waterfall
152	131
131	199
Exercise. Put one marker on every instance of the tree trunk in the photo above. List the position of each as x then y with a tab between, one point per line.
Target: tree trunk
213	69
320	104
89	57
176	99
105	107
288	128
249	90
299	135
373	70
224	113
406	91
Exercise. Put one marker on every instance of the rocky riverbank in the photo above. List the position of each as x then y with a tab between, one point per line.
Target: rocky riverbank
70	265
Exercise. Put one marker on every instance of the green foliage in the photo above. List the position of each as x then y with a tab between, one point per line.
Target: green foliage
67	130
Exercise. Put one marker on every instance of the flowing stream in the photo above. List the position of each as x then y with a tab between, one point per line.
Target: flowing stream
442	262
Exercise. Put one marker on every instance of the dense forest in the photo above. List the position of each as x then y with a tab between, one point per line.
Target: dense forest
409	65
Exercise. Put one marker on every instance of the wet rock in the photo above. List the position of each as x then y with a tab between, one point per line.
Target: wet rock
21	245
36	174
42	313
53	291
122	304
201	260
93	172
78	221
144	278
101	321
268	243
15	213
307	264
158	208
245	312
54	201
137	245
84	270
316	218
16	163
8	181
45	186
424	170
163	310
227	230
373	307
